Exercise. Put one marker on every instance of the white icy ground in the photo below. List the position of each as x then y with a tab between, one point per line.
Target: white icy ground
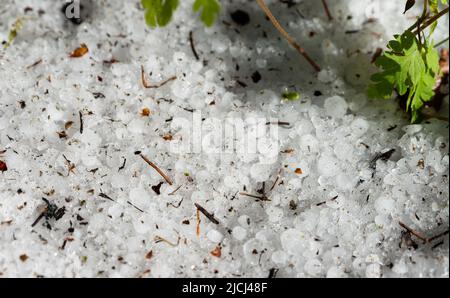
332	138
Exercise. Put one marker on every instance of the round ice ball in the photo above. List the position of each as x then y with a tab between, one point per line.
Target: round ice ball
336	107
279	257
373	271
384	205
214	236
239	233
260	172
308	143
335	272
275	214
313	267
328	166
359	127
293	241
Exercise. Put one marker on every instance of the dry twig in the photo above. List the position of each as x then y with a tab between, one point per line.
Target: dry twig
286	35
157	169
153	86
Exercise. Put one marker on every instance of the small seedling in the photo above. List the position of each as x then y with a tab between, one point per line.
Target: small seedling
410	66
291	95
158	13
17	26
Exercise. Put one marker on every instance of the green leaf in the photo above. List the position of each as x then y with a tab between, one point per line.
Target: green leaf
209	10
434	5
384	82
432	59
291	95
17	26
159	12
410	68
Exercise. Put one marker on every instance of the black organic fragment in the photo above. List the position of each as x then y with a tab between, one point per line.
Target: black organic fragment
157	188
50	211
207	214
380	156
256	77
240	17
273	272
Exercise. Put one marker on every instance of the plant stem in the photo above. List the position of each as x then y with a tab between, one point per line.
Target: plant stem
441	42
286	35
422	17
433	19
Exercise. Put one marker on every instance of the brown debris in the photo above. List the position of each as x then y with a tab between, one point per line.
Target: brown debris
111	61
145	112
81	122
194	51
149	255
407	240
327	10
207	214
3	166
154	86
421	164
68	124
197	231
145	273
286	35
288	151
217	252
438	236
157	188
105	196
137	208
413	232
420	235
161	239
70	165
154	166
6	222
80	51
34	64
378	53
176	189
168	137
62	134
260	198
324	202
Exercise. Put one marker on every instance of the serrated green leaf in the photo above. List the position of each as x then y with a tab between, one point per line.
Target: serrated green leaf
159	12
432	59
209	10
423	92
384	82
409	67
